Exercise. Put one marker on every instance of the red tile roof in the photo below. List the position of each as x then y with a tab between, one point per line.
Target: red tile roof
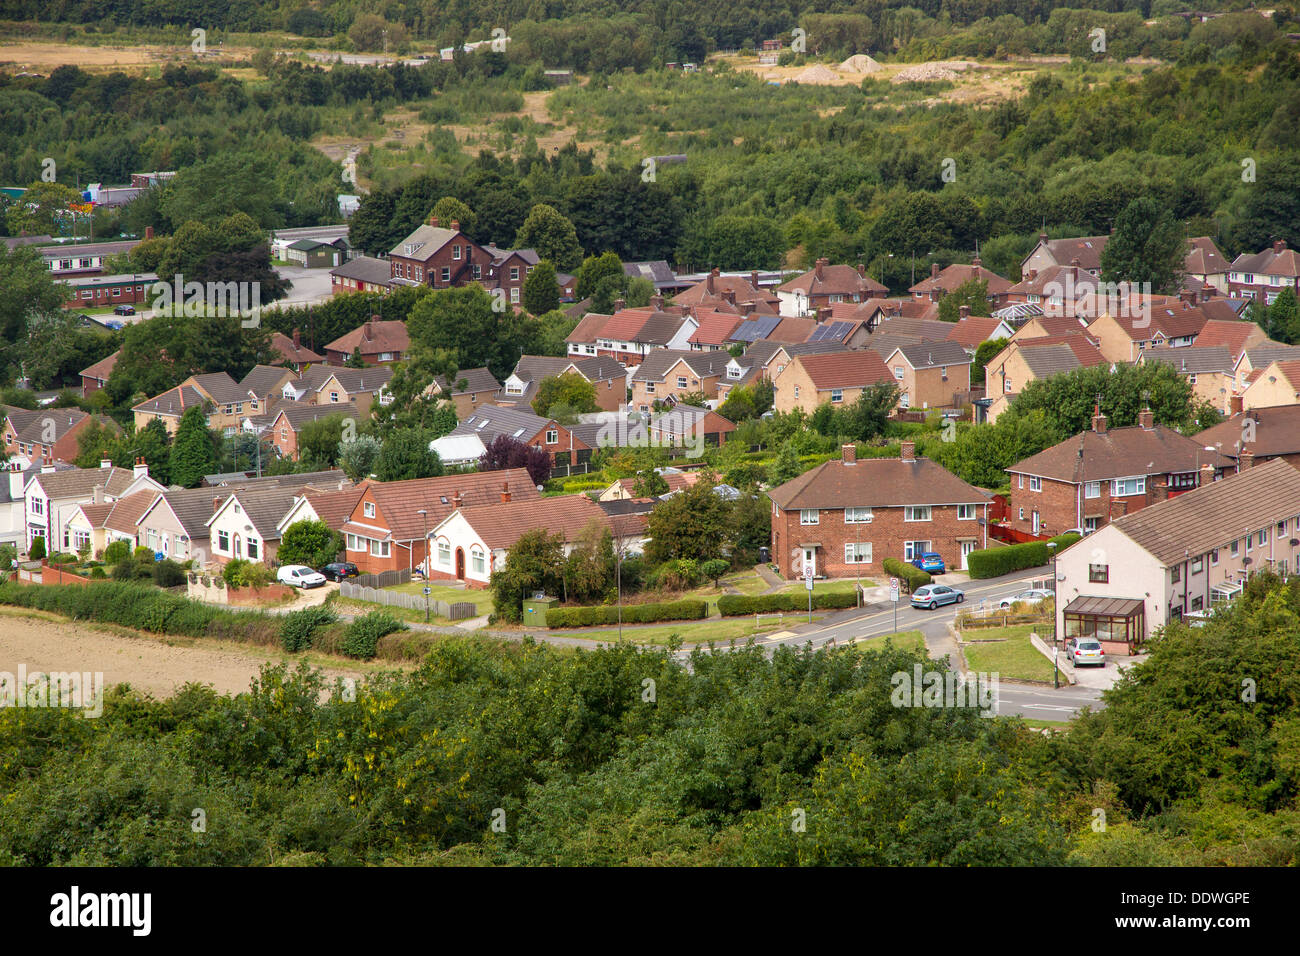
398	501
845	369
501	525
714	328
373	336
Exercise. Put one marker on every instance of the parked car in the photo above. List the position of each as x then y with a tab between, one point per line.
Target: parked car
299	576
338	570
932	595
124	310
1085	650
930	562
1032	596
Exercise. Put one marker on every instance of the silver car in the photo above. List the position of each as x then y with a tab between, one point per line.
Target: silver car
932	595
1085	650
1032	596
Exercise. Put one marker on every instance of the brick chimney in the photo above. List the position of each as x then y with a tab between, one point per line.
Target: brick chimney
1147	419
934	270
819	269
965	311
1160	490
1245	460
1033	274
1042	237
1118	507
216	504
620	305
1074	263
657	302
1279	245
1207	473
729	296
148	232
297	339
849	454
907	451
747	308
753	278
433	220
457	499
141	468
1187	297
710	281
1234	405
824	314
455	225
505	492
1098	421
862	269
368	330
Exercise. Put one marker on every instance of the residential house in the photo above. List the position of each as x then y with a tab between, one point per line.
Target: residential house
876	311
86	258
101	291
971	330
245	523
386	530
1258	435
845	517
660	274
605	373
329	385
1179	556
333	507
1277	384
1063	252
293	353
687	425
438	257
1254	359
942	281
177	521
837	378
284	423
1265	274
1123	338
471	388
474	540
508	270
1205	263
624	489
1208	369
95	525
930	374
48	434
490	422
716	290
1233	334
51	496
845	333
224	401
825	285
362	274
669	374
1030	360
96	376
714	330
379	342
1089	480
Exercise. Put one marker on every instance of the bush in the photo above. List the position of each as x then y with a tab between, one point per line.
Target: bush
732	605
679	574
98	573
241	573
992	562
690	610
362	635
117	552
914	576
37	551
168	574
297	627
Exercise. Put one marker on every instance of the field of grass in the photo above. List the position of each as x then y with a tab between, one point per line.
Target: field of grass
479	597
908	640
1009	653
695	632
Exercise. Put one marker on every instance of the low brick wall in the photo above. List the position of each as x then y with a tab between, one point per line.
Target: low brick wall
213	593
48	574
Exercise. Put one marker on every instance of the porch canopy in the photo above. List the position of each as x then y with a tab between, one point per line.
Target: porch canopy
1122	620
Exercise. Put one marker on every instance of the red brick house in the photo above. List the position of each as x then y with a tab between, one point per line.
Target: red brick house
292	352
1085	481
47	435
1265	274
844	517
96	376
942	281
385	530
287	420
438	257
380	342
490	422
825	285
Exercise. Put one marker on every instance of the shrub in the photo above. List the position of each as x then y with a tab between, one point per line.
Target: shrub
992	562
37	550
679	574
732	605
241	573
689	610
168	574
117	552
8	555
914	576
98	573
362	635
297	627
715	568
142	553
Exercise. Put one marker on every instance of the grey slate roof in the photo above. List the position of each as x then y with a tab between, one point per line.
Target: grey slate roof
1214	358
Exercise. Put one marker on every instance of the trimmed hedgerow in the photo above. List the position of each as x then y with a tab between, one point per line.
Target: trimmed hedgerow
688	610
992	562
732	605
914	576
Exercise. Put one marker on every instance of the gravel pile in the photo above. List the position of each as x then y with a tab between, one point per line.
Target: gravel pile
860	63
818	74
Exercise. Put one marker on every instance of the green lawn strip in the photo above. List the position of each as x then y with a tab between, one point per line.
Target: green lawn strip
479	597
907	640
842	586
1009	653
691	632
350	606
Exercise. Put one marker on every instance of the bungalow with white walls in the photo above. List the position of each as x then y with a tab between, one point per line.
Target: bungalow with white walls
51	497
245	524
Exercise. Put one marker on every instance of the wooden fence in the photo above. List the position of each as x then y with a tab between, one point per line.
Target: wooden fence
384	579
454	611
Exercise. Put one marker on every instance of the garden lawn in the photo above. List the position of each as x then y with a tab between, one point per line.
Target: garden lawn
1010	655
907	640
691	632
481	598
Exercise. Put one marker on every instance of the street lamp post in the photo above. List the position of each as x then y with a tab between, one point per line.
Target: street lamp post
618	575
425	515
1056	672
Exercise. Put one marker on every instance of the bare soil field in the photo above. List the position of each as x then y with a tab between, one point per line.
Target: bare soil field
42	56
155	666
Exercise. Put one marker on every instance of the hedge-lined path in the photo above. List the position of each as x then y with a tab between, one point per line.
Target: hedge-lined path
774	581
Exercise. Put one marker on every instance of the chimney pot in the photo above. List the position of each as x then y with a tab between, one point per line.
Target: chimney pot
1207	474
1235	404
657	301
849	453
934	270
819	269
105	463
433	220
1245	460
907	451
297	339
1098	422
1146	419
455	225
965	311
505	492
1160	490
1279	245
620	305
216	504
729	296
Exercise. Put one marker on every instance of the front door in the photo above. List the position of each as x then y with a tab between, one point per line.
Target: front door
460	564
810	560
966	548
1036	523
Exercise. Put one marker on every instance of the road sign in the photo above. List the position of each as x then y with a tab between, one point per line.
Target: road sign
428	590
893	590
808	582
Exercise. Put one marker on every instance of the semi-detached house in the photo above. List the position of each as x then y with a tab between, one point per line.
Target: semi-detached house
846	516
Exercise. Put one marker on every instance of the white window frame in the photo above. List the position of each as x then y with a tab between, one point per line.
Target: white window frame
804	514
911	512
857	516
857	552
966	512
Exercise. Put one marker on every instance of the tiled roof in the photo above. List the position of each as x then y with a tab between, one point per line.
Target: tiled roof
846	369
399	501
1261	355
755	329
1232	335
355	381
474	379
954	275
715	327
659	328
500	525
262	505
1204	257
299	414
971	330
1208	358
658	362
1086	249
81	482
124	514
293	354
624	325
1048	360
365	268
1276	428
491	421
172	402
1085	350
1120	453
1059	325
334	507
934	354
192	508
220	386
1210	516
426	239
793	330
875	483
372	336
710	290
264	380
20	418
103	368
836	330
51	424
834	280
589	328
932	330
883	342
1284	262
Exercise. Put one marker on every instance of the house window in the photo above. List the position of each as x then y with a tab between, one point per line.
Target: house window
455	251
898	372
1176	573
252	549
965	512
478	271
552	436
223	541
1021	516
1099	573
916	513
379	549
914	549
368	509
1234	548
385	356
334	397
1092	489
1022	480
514	273
1197	603
809	516
284	433
1198	565
1128	486
857	553
476	560
444	554
1263	537
837	394
1006	386
796	391
38	506
857	516
681	381
514	295
1214	558
1035	483
446	274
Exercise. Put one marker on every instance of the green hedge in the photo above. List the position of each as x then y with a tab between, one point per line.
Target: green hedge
992	562
732	605
114	602
689	610
914	576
